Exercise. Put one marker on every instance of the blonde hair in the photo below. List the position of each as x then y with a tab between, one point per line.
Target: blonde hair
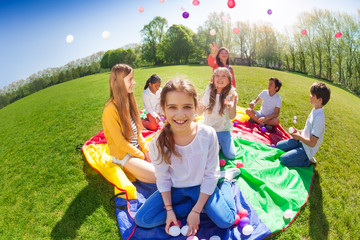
224	92
165	142
124	101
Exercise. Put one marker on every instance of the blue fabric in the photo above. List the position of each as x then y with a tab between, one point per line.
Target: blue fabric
295	155
220	206
227	144
206	229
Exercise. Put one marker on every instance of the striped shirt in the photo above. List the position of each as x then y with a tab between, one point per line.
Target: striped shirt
134	141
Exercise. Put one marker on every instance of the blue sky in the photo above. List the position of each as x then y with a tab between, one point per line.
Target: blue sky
33	32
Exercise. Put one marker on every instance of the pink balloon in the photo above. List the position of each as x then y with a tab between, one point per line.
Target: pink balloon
195	2
212	32
338	35
304	32
222	162
236	30
239	165
162	1
141	9
243	213
231	3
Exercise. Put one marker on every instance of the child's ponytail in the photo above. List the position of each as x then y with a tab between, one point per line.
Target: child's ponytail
153	79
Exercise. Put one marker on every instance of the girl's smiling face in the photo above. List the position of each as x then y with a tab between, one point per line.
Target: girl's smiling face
221	80
179	111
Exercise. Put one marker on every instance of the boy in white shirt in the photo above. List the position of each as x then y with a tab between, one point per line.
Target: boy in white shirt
270	107
301	149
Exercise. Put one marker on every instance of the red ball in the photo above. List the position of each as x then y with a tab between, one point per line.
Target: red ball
237	220
239	164
243	213
222	162
231	3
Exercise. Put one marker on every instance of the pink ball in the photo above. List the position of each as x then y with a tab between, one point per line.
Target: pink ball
243	213
141	9
231	3
237	220
244	221
338	35
239	164
236	30
303	32
222	162
179	223
195	2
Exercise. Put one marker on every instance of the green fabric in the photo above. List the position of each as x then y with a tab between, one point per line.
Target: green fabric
270	187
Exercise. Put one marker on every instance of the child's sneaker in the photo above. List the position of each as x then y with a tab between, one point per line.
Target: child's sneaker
269	128
230	174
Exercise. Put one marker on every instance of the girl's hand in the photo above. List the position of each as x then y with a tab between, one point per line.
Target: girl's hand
231	101
193	221
147	157
214	48
170	218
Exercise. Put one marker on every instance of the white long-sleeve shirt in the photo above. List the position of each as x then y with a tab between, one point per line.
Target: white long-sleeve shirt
199	164
152	102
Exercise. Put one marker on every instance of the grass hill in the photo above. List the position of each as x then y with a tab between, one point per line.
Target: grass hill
48	191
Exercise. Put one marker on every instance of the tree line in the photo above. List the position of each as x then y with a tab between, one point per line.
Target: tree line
308	47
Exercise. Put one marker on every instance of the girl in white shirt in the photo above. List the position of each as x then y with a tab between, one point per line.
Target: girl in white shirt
151	101
186	161
219	103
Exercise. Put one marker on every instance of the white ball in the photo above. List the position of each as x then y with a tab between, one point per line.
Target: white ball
288	213
174	231
184	230
291	130
69	38
247	230
105	35
212	32
295	117
215	237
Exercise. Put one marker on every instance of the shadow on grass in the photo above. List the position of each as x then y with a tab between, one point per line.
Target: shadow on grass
318	225
96	194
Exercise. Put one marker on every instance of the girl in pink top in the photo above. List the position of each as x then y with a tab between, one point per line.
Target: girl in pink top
220	58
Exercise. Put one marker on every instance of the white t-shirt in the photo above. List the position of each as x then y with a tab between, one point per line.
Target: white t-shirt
220	123
152	102
269	103
315	126
199	164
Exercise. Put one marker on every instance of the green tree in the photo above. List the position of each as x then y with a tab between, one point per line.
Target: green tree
104	63
152	35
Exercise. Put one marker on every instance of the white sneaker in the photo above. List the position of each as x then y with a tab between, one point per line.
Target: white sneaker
230	174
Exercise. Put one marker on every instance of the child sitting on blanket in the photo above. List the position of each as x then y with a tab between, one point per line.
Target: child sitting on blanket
151	101
301	149
186	161
122	126
219	103
270	107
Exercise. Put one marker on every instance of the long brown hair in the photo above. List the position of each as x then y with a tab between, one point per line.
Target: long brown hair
166	142
218	58
124	101
223	94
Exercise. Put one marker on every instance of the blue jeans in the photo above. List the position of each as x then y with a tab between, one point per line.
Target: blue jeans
220	207
295	155
227	144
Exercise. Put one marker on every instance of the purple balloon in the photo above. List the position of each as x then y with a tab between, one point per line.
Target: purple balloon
244	221
269	12
185	14
272	145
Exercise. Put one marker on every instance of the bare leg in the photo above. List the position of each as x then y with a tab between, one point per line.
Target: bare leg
273	122
141	169
251	113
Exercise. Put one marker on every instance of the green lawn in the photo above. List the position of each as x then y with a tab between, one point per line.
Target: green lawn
48	190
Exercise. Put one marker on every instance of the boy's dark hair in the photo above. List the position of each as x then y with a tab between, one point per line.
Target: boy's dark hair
320	90
277	82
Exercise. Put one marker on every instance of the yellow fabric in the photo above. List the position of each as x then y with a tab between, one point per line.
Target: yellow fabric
118	145
98	155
